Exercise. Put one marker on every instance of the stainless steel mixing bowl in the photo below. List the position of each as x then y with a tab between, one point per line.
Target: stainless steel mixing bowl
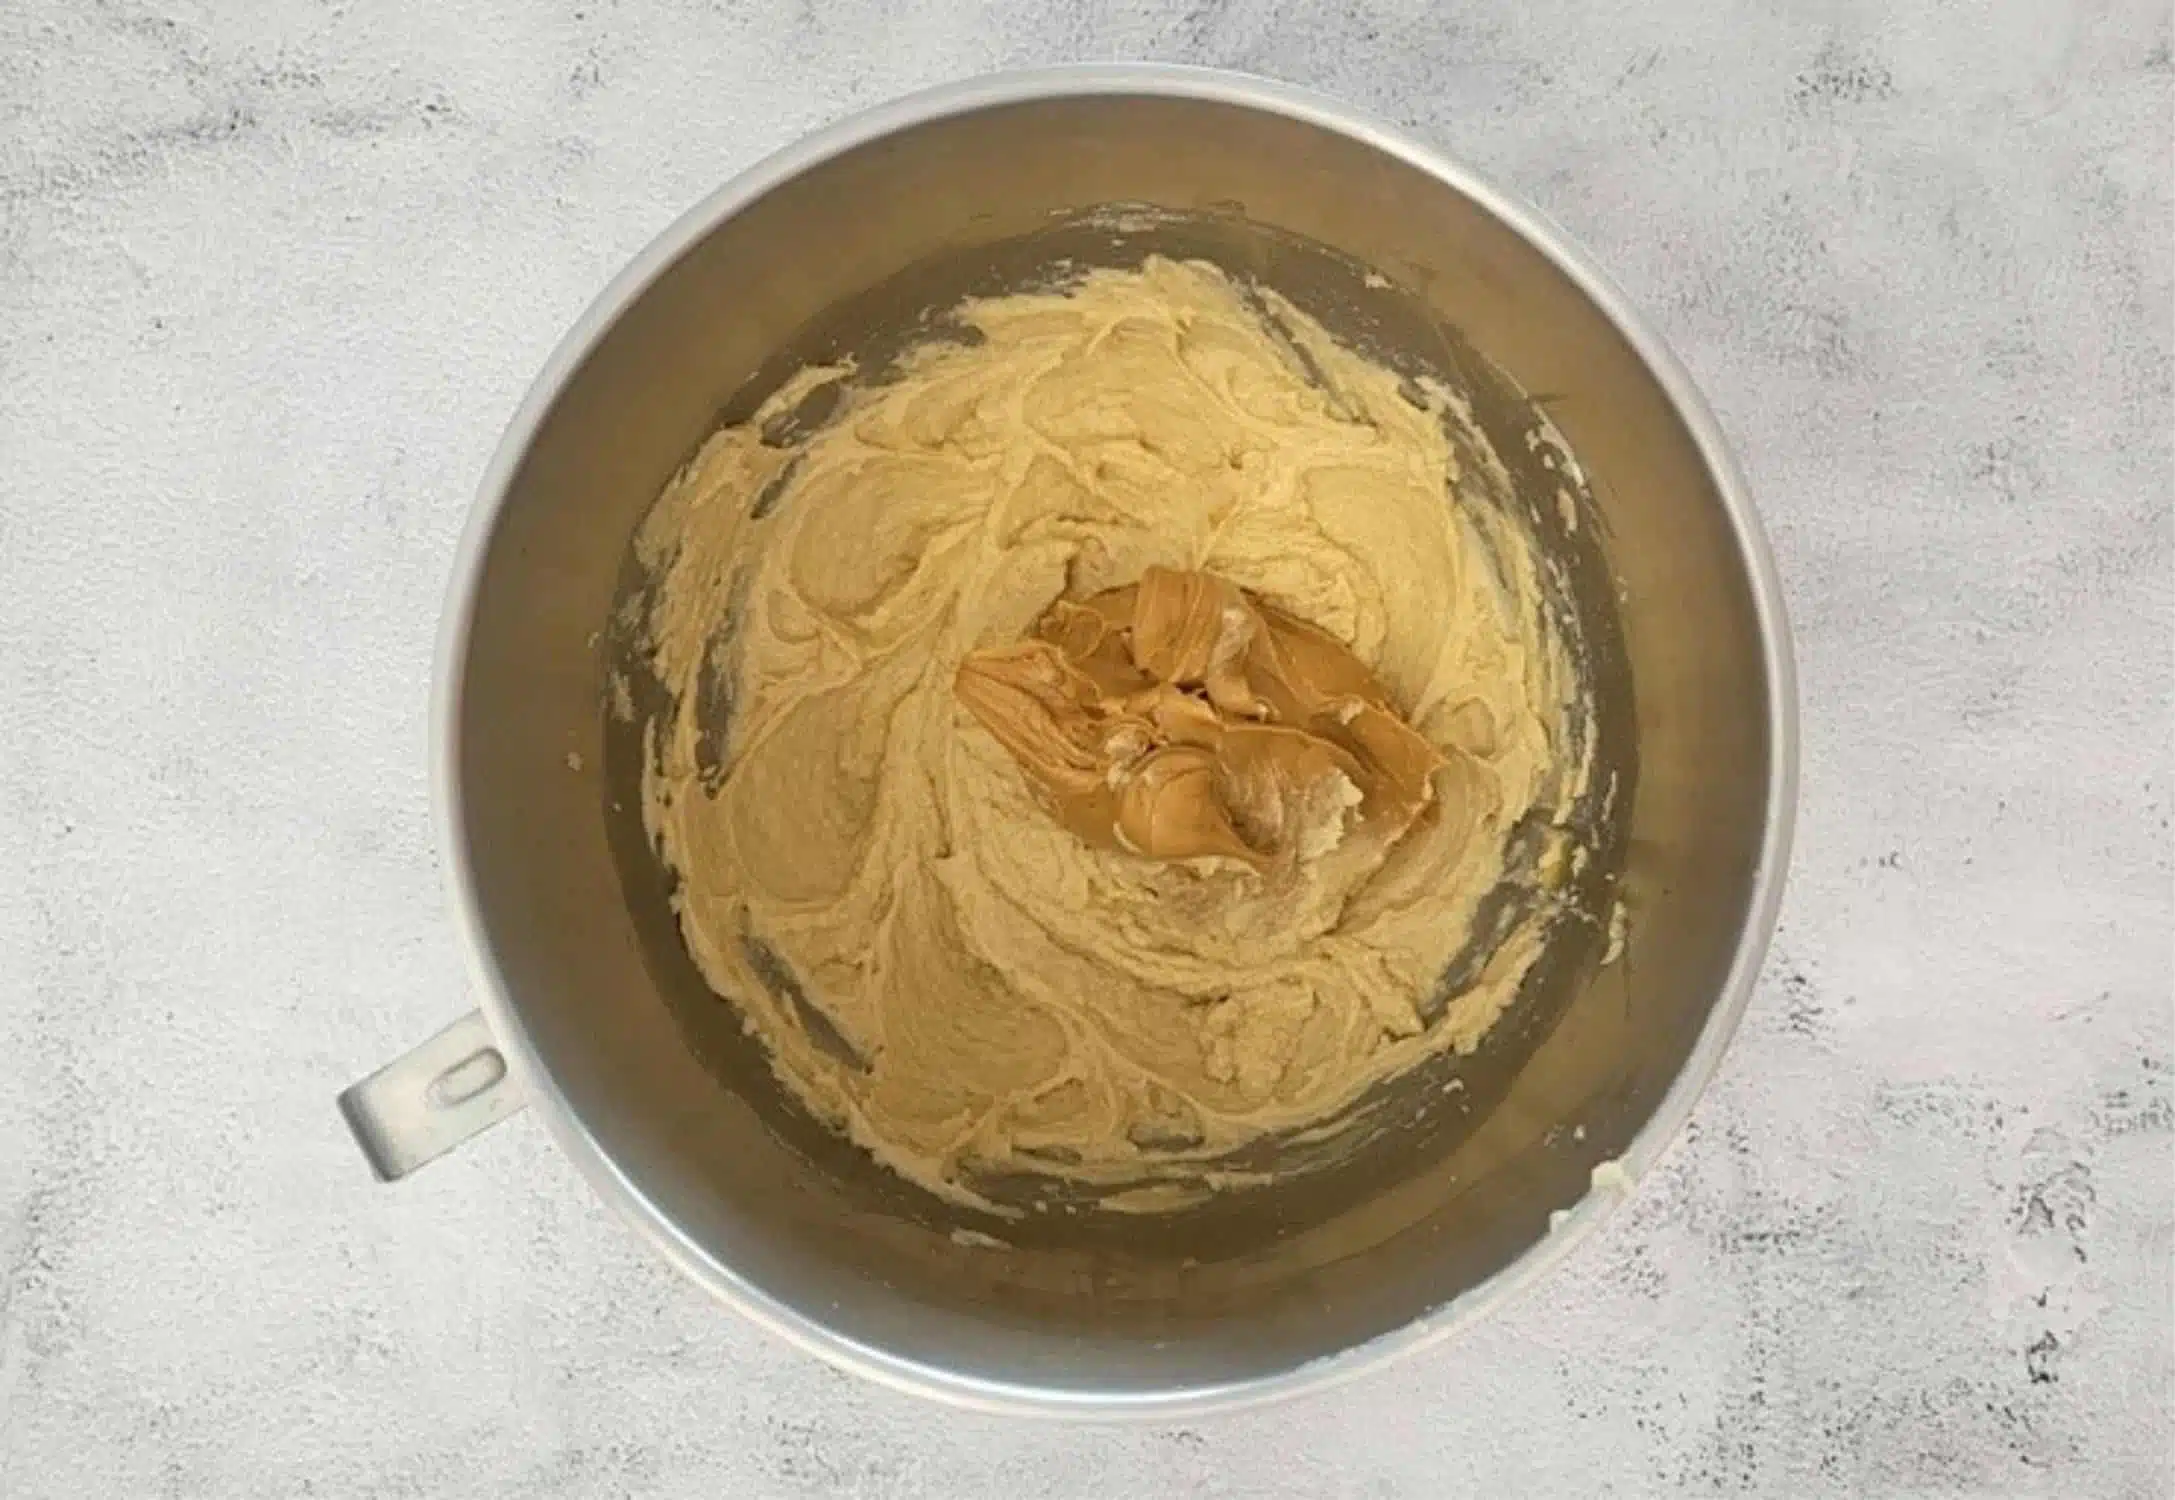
591	1012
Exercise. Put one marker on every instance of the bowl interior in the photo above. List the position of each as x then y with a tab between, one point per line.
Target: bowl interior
857	252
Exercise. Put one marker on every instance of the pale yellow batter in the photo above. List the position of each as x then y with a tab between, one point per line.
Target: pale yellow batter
937	964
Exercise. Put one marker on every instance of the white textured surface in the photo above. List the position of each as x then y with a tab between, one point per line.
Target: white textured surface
272	275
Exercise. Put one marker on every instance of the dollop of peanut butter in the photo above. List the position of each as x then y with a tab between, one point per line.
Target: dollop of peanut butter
1179	718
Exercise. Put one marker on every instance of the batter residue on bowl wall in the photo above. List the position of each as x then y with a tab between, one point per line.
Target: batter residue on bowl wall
937	964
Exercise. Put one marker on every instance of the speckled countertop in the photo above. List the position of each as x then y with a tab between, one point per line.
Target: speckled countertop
272	276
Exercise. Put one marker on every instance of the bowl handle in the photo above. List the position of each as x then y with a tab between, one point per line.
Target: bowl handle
421	1105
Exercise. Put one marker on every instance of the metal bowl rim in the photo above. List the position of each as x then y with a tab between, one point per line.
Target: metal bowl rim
970	96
